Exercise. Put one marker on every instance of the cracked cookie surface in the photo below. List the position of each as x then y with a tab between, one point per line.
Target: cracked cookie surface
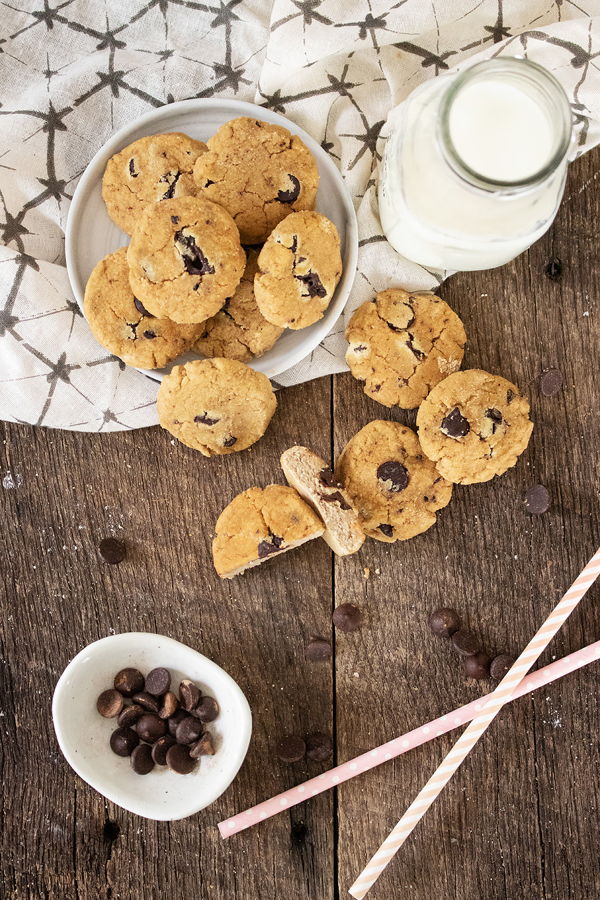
299	268
185	259
258	172
216	406
402	345
239	330
261	523
395	489
158	167
121	323
474	425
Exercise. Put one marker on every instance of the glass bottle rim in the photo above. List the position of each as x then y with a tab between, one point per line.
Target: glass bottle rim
546	81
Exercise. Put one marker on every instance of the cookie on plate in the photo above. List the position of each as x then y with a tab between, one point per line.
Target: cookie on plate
299	268
474	425
158	167
394	487
121	323
402	345
239	330
216	406
259	172
315	482
261	523
185	259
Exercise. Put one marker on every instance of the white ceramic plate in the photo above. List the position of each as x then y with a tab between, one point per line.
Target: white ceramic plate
83	734
91	235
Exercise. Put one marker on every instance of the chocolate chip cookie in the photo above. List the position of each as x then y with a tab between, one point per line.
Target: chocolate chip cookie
259	172
121	323
216	406
299	268
158	167
474	425
239	330
185	259
394	487
402	345
261	523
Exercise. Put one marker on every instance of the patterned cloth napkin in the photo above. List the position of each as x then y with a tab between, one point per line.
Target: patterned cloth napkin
74	71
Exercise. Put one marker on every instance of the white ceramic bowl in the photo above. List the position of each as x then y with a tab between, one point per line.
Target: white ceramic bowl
83	734
91	235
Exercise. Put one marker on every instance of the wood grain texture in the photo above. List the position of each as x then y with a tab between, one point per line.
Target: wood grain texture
519	819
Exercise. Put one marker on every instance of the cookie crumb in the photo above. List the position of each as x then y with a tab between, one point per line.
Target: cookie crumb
366	572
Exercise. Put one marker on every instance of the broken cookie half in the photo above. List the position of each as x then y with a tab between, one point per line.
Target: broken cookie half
261	523
315	482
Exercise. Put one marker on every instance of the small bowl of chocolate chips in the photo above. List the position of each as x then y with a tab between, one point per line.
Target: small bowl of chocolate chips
135	713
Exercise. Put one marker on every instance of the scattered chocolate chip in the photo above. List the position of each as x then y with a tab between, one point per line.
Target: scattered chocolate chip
150	335
336	497
386	529
553	269
229	442
418	353
158	681
317	650
123	741
141	308
477	666
170	192
205	419
141	759
170	703
327	478
109	704
291	748
203	747
537	500
444	622
175	719
149	727
175	220
455	425
500	666
313	283
393	475
510	396
319	747
188	731
347	617
551	381
207	710
465	642
290	196
112	550
179	760
132	171
146	701
129	715
160	748
189	694
129	681
496	416
267	547
194	260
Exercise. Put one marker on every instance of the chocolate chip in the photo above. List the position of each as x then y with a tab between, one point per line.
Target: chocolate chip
175	220
455	425
109	704
207	710
175	719
317	650
141	759
188	731
477	666
169	706
150	335
290	196
319	747
229	442
537	500
465	642
170	192
347	617
444	622
496	416
551	381
189	694
158	681
313	283
132	171
194	260
291	748
160	748
141	308
203	747
149	727
327	478
123	741
179	760
386	529
129	681
393	475
267	547
146	701
208	183
553	269
112	550
336	497
500	666
130	715
205	419
418	353
510	396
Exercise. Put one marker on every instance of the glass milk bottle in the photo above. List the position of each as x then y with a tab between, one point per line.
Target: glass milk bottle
474	167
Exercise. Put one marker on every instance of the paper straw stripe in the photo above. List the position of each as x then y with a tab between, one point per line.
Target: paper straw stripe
473	732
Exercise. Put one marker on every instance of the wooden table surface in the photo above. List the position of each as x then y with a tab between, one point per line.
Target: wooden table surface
519	820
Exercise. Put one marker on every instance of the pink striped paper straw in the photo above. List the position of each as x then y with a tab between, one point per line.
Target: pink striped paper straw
474	731
402	744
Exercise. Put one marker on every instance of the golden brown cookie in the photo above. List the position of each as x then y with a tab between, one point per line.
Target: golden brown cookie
299	268
261	523
239	330
402	345
185	259
158	167
474	425
216	406
394	487
259	172
121	323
